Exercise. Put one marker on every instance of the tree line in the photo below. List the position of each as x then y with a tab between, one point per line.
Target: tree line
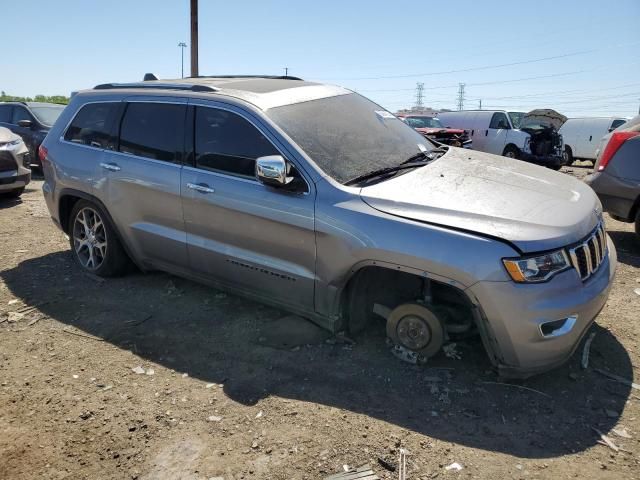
61	99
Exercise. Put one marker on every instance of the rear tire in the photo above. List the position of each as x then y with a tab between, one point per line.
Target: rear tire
567	155
95	245
511	152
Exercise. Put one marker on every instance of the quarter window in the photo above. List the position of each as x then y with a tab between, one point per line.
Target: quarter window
92	125
153	130
499	120
228	143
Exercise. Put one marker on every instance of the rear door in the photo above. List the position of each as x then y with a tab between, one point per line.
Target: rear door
140	180
496	134
240	232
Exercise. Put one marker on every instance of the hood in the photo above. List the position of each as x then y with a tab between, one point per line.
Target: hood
432	131
7	135
544	116
532	207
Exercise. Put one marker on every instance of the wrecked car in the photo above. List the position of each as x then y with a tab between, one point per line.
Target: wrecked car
501	133
433	129
312	198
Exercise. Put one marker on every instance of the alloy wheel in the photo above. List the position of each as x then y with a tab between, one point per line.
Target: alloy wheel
89	238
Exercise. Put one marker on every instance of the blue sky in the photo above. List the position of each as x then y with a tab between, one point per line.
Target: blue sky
583	57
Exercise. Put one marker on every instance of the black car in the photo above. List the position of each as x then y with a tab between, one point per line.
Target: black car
616	177
30	120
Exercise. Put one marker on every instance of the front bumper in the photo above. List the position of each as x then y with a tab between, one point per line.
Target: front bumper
14	179
515	312
547	161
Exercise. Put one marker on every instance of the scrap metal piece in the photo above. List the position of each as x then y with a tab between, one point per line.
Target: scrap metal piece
362	473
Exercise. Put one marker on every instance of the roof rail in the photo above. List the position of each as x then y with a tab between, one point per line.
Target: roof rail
273	77
150	85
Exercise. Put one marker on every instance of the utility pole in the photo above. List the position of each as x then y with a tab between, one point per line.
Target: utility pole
182	46
286	71
480	107
419	96
194	38
461	96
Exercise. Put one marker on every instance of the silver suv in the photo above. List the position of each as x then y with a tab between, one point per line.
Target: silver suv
314	199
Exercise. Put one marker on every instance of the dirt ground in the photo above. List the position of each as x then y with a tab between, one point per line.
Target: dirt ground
234	389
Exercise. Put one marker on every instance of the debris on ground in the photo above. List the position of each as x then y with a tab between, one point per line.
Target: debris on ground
387	464
402	465
455	466
361	473
451	352
138	370
637	291
604	440
150	371
585	351
259	414
621	432
13	302
518	386
214	418
618	378
406	355
13	317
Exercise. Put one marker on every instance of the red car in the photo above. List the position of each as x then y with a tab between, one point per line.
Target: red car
433	129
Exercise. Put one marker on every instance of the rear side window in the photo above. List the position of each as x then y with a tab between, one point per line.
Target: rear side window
153	130
499	120
92	125
5	113
228	143
617	123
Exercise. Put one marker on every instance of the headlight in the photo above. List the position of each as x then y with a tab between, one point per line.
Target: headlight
536	269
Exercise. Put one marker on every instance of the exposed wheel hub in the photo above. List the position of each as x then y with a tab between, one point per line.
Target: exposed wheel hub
416	328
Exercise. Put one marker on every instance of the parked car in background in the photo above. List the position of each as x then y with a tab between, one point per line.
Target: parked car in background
15	173
30	120
616	176
582	136
499	132
432	128
312	198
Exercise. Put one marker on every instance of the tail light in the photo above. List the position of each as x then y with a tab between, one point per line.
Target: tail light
42	154
614	144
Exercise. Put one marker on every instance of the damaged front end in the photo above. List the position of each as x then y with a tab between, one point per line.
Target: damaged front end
447	136
545	145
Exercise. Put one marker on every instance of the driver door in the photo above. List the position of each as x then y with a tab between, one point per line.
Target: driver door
497	133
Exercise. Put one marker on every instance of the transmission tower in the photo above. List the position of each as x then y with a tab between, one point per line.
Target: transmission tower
461	96
419	95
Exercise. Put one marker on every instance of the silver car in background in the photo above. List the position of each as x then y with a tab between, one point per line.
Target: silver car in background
15	173
312	198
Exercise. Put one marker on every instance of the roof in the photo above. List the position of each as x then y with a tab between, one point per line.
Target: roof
263	91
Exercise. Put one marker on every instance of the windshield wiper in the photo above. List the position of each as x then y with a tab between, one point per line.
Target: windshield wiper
384	171
429	155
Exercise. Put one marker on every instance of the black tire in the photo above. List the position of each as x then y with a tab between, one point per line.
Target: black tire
13	193
511	152
114	261
555	167
568	155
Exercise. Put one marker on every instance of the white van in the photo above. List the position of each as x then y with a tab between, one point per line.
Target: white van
582	136
499	132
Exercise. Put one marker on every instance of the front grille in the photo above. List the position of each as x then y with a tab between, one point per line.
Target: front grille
7	163
589	255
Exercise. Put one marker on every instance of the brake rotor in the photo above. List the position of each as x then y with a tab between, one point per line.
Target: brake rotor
416	328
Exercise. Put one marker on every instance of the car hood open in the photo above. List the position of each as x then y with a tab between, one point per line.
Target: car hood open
544	116
532	207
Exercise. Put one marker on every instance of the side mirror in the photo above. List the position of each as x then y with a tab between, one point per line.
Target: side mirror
272	170
24	123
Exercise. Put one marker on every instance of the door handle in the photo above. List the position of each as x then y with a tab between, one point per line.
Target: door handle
590	137
486	133
110	166
202	188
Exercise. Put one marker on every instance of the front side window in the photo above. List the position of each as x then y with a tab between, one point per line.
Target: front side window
20	113
47	115
92	125
5	113
228	143
153	130
499	121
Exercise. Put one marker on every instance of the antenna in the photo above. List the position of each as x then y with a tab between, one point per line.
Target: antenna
419	96
461	96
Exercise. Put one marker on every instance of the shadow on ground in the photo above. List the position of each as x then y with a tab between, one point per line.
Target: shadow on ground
627	246
226	339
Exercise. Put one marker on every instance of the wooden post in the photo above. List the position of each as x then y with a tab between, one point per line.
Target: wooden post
194	38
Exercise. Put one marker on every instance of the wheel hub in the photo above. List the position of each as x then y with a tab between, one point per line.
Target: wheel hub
416	328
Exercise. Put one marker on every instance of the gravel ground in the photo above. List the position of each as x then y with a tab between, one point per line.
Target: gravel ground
233	389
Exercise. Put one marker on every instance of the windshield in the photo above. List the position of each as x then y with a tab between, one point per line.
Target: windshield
516	118
423	122
348	135
49	114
